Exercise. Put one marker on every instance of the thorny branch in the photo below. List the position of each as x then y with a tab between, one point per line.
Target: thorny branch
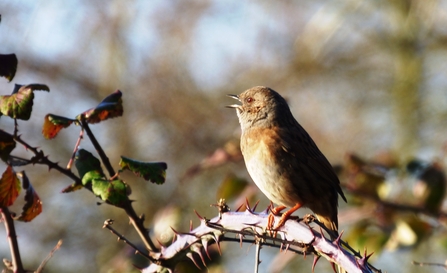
294	236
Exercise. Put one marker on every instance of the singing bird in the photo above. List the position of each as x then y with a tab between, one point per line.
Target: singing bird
283	160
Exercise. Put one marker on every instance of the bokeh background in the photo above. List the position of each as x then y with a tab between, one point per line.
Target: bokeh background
363	77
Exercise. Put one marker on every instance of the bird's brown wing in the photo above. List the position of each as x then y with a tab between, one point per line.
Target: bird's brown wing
300	145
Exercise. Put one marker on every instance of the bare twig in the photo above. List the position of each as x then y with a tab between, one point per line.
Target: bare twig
396	206
73	155
17	265
108	224
138	223
429	264
257	255
45	261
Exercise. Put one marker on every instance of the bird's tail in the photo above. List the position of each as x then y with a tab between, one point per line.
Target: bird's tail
331	223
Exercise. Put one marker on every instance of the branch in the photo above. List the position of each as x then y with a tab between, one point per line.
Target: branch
17	265
41	158
294	236
138	223
105	160
429	264
396	206
108	224
47	259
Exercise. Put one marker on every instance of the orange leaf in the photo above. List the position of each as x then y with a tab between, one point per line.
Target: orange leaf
9	187
33	205
53	124
110	107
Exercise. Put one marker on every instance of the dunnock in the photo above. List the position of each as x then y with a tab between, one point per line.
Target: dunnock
283	160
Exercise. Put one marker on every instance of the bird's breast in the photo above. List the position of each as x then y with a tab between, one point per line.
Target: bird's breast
261	159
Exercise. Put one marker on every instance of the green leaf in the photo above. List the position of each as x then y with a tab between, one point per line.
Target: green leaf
33	204
110	107
7	144
153	171
9	187
53	124
113	192
8	66
19	104
85	162
92	175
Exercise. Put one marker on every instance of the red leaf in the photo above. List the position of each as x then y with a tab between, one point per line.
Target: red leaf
110	107
33	205
9	187
53	124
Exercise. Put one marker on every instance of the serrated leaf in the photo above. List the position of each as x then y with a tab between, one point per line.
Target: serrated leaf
8	66
7	144
153	171
33	204
110	107
9	187
114	192
19	104
86	162
53	124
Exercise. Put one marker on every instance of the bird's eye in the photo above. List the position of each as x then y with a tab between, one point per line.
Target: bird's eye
249	99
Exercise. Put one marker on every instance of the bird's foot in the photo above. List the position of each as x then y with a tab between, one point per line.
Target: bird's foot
284	217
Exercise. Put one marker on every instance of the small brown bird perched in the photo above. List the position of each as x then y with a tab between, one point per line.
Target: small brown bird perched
283	160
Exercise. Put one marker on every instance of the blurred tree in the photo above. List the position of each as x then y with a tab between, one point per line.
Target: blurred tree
360	76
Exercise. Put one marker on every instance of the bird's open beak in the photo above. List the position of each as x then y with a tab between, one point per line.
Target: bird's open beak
237	106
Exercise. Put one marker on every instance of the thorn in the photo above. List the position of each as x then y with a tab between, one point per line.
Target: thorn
160	243
267	210
337	241
198	215
174	238
191	257
205	247
216	239
198	250
175	231
363	261
247	205
240	239
316	258
190	226
239	208
255	206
